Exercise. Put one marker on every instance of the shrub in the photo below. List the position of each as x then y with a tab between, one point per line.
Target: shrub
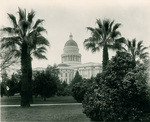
63	89
121	93
80	88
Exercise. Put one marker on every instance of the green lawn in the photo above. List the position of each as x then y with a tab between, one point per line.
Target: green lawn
43	113
15	100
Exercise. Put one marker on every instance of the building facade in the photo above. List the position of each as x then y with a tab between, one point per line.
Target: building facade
71	63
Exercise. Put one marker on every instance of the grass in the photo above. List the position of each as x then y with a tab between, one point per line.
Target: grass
15	100
42	113
45	113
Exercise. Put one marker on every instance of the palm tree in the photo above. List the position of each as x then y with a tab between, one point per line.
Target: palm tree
104	36
137	50
25	39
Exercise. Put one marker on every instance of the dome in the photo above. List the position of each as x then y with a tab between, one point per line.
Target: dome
71	42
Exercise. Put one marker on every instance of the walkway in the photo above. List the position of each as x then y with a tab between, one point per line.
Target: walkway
43	104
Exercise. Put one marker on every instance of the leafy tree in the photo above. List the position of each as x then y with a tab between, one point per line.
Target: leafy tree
25	39
45	82
12	85
80	88
105	36
137	50
63	89
121	93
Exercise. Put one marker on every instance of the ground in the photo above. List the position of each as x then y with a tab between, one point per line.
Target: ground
70	112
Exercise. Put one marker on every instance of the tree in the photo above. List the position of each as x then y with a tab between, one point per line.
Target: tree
121	94
13	85
46	82
137	50
7	59
63	89
77	78
104	36
25	39
79	89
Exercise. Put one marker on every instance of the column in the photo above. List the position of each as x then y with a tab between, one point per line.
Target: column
67	58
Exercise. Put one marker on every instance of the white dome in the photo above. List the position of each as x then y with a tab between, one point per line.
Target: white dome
71	53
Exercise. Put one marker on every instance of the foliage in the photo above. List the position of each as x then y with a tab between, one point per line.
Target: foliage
121	93
77	79
11	86
45	82
63	89
80	88
105	36
137	50
14	85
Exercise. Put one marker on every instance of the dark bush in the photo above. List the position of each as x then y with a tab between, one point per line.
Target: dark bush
77	79
45	83
121	93
63	89
80	88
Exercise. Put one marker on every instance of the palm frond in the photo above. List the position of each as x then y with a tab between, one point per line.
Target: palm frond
106	23
39	55
116	26
10	42
111	25
31	16
121	40
139	45
90	43
115	34
144	55
91	29
134	43
41	40
143	49
22	14
13	19
99	22
39	21
40	29
8	30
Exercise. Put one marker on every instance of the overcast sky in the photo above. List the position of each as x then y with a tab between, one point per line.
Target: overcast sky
63	17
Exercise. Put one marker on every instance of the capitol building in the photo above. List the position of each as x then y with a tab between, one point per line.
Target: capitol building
71	63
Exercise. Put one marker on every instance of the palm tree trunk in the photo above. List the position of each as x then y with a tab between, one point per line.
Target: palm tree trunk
30	77
105	57
25	85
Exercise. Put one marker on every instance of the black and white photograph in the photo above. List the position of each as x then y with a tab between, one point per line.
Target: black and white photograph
75	60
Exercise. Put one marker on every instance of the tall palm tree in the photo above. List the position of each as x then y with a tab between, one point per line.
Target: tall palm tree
104	36
25	39
137	50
